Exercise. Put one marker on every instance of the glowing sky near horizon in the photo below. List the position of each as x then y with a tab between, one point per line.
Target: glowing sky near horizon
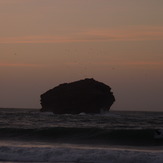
47	42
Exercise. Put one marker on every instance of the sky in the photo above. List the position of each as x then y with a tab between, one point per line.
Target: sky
44	43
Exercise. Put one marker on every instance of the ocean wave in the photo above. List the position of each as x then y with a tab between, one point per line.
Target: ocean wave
137	137
77	155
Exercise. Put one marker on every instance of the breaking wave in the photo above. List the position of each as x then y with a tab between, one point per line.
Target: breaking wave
78	155
137	137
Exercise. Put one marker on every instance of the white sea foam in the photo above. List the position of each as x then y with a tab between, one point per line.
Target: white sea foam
78	154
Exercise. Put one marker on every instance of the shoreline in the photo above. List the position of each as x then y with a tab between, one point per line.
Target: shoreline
71	145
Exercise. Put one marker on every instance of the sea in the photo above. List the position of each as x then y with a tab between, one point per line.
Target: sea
28	135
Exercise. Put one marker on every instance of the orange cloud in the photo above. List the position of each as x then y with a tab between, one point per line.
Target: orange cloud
135	33
146	63
128	34
19	65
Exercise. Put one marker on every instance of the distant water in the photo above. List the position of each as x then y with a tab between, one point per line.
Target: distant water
27	135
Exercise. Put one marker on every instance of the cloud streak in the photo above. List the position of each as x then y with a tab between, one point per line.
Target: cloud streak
119	63
19	65
127	34
139	33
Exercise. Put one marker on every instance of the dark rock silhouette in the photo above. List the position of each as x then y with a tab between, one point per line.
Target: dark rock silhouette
88	96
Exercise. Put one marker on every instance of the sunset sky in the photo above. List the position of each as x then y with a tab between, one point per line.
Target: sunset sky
44	43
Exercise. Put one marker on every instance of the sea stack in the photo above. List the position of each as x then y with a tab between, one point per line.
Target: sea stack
83	96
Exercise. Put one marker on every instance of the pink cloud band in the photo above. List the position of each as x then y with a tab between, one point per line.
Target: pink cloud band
93	35
19	65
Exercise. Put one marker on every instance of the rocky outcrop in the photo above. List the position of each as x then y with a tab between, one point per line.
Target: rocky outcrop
88	96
